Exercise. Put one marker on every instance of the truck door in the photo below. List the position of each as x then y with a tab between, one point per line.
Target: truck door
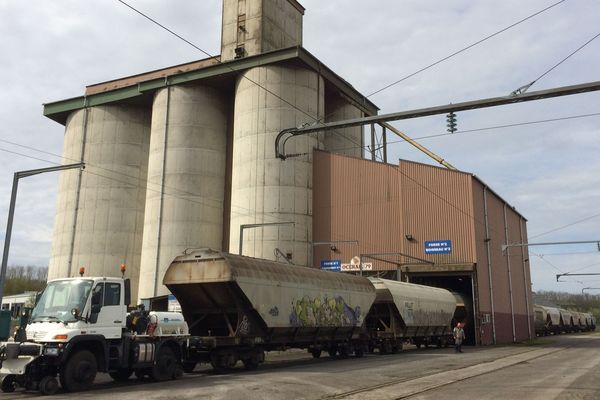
108	298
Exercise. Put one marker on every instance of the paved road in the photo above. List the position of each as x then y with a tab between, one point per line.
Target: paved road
566	367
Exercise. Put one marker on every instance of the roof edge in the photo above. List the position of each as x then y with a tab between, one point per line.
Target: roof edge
59	110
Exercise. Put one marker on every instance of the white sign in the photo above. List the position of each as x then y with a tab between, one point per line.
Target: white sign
173	304
356	267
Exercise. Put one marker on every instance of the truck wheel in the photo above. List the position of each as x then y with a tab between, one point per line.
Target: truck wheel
164	367
121	375
79	372
316	353
8	384
48	385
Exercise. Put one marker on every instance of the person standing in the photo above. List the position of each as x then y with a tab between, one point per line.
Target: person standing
459	335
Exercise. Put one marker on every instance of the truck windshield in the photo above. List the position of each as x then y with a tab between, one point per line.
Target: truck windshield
59	298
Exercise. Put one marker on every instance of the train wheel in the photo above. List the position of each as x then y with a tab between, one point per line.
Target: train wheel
189	366
48	385
218	364
387	347
359	351
316	353
230	360
256	357
79	372
8	384
164	368
344	352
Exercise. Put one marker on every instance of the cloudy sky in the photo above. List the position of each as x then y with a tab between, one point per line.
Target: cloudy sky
550	171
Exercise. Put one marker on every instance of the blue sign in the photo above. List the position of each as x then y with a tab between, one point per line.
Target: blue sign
331	265
438	247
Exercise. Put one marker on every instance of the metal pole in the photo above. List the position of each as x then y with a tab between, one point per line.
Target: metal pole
11	212
525	282
506	246
246	226
510	288
489	260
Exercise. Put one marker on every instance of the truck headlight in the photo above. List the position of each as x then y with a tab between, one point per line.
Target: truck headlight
51	351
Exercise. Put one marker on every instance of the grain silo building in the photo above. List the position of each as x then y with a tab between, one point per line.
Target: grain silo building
182	157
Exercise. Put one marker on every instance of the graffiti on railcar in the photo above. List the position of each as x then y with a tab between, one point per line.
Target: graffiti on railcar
324	312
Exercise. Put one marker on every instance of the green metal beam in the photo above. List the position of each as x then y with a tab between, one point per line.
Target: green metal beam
59	110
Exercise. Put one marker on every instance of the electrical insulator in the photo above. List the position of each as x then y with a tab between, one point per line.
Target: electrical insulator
451	119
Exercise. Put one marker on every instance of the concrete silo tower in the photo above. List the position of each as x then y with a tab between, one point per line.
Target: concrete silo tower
268	99
100	211
186	179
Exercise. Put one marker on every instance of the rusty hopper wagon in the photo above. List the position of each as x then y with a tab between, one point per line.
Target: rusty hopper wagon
239	307
405	312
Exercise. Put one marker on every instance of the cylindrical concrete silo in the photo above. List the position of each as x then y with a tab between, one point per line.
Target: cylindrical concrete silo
347	141
100	210
266	189
186	179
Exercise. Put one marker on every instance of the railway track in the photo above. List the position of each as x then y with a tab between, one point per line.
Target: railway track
406	387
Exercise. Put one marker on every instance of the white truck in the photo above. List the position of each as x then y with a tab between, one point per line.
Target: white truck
81	326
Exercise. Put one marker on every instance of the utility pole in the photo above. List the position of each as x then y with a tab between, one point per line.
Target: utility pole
11	211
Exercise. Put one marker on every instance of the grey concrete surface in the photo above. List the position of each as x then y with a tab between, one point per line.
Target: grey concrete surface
563	367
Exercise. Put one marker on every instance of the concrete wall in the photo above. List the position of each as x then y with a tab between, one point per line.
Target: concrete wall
186	179
260	26
99	212
348	141
266	189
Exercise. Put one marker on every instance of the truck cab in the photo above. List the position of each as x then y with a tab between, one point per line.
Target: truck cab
81	326
80	306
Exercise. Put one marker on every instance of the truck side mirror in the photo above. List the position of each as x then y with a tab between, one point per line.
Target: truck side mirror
93	317
127	292
37	297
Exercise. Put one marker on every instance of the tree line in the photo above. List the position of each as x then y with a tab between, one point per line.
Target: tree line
585	302
20	279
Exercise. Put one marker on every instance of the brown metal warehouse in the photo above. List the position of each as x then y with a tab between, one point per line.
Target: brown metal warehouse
392	210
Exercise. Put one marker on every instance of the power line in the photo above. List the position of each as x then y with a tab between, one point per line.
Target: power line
566	226
465	48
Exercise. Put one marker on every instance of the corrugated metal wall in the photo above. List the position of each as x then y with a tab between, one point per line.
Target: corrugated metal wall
379	204
437	206
355	199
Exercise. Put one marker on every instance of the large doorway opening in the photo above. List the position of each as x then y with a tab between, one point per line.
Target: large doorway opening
460	284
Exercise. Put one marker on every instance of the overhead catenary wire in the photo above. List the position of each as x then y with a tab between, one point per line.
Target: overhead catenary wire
541	257
524	88
466	48
566	226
